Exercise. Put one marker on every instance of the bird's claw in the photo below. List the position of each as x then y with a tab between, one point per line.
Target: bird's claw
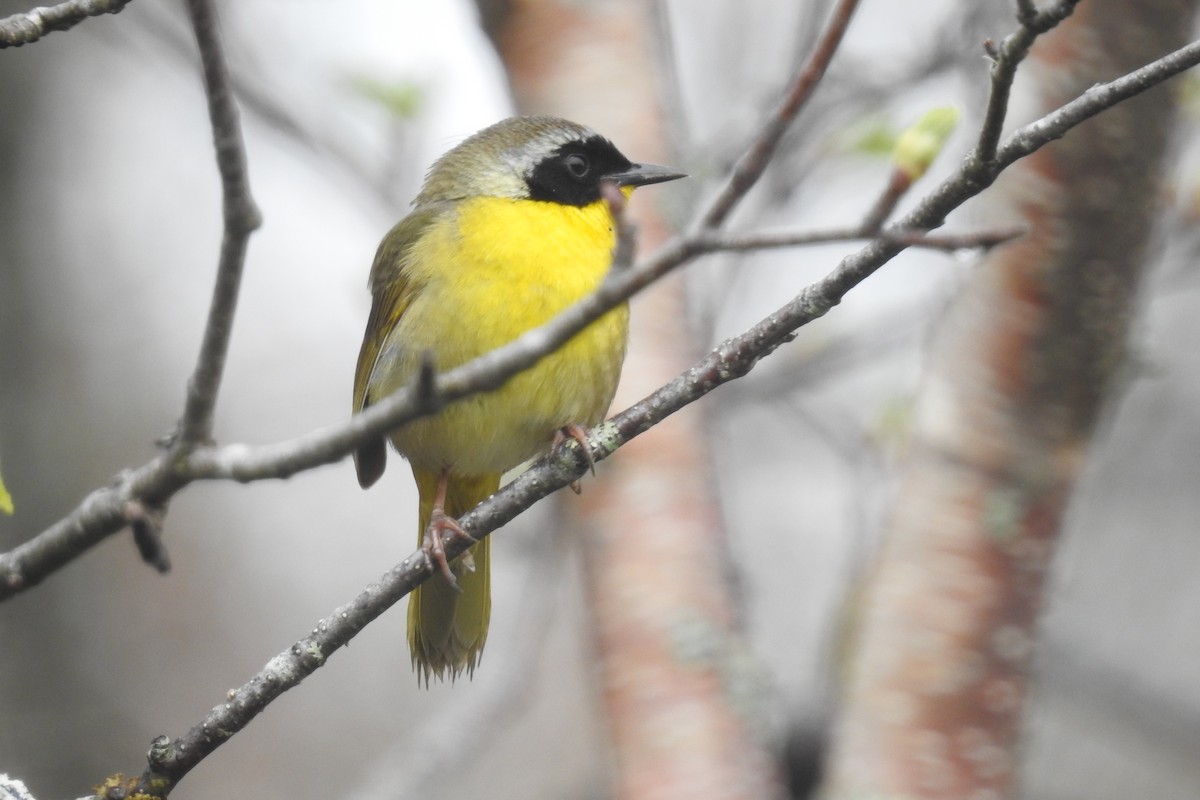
443	527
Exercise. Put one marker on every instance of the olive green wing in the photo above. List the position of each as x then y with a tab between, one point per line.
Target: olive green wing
391	293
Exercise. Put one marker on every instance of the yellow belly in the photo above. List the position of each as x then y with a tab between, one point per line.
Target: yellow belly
486	275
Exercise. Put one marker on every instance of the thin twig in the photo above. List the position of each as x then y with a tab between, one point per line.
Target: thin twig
1005	60
29	26
897	186
749	168
241	218
713	242
951	242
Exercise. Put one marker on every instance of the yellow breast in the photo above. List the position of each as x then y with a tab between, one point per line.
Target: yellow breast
485	275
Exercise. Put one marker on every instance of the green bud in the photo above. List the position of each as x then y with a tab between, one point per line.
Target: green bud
919	145
6	501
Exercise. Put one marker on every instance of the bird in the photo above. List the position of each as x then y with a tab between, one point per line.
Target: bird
510	228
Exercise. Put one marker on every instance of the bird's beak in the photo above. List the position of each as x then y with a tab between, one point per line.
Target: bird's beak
645	174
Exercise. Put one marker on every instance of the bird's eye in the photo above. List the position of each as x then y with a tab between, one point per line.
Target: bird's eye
577	165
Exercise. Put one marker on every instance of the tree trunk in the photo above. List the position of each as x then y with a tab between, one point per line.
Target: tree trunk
1019	373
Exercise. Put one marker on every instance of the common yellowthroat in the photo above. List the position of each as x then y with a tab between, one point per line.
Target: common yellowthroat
509	229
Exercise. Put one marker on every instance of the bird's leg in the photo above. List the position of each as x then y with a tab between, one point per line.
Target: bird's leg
441	527
579	434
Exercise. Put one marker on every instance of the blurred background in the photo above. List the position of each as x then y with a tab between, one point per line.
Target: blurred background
110	223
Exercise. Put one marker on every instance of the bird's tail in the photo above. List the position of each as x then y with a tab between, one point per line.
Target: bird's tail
446	627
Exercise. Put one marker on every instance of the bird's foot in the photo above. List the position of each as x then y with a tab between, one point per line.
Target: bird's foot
443	528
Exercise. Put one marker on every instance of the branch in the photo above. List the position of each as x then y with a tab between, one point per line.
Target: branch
241	218
171	760
28	27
